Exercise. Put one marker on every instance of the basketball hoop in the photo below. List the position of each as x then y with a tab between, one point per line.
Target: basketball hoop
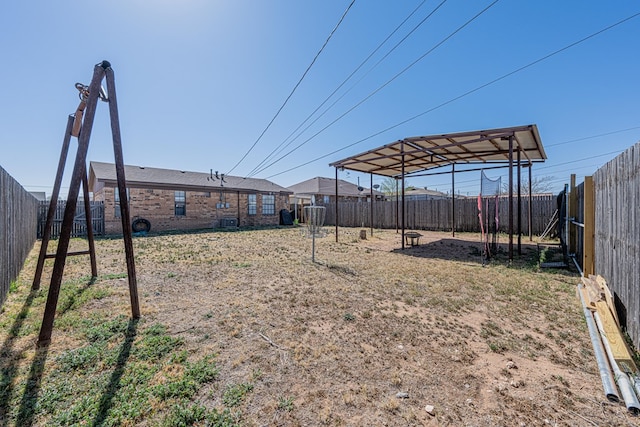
314	217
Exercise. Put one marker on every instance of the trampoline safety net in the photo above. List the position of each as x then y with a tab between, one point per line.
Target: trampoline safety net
489	214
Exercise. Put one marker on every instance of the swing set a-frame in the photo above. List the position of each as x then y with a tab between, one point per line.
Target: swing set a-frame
80	125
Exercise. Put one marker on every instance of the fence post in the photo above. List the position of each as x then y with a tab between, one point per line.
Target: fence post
588	257
573	211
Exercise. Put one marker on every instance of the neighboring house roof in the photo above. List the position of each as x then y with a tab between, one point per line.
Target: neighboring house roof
327	187
146	177
424	192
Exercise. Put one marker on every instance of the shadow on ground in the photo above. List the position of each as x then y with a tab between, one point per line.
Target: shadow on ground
465	251
9	370
116	376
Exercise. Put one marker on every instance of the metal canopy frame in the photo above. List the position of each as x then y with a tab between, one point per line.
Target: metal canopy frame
416	156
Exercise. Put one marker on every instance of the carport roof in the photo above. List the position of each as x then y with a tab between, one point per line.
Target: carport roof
421	153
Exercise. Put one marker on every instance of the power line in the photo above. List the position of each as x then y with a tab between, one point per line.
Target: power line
594	136
294	88
275	151
381	87
581	160
504	76
460	184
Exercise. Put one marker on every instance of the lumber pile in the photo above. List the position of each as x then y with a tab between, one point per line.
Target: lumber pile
598	303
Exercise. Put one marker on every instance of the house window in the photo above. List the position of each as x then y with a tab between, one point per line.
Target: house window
326	199
253	204
268	204
180	203
116	201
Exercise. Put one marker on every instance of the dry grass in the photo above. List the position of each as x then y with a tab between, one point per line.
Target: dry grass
334	342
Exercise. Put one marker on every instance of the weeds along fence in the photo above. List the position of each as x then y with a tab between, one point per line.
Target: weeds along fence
435	214
18	223
79	227
617	234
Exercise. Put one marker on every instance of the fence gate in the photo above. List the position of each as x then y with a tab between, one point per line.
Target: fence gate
79	228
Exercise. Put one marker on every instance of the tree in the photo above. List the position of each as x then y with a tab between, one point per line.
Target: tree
388	186
542	184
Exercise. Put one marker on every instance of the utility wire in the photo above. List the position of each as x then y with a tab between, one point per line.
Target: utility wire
275	151
460	184
556	164
381	87
580	160
548	167
294	88
594	136
504	76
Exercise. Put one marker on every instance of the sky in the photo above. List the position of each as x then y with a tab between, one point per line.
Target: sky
278	89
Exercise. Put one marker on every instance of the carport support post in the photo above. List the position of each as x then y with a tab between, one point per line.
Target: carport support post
336	204
519	205
402	183
510	198
530	203
453	200
397	205
371	204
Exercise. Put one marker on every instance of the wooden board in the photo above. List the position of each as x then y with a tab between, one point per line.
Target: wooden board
619	348
621	353
608	297
585	296
593	290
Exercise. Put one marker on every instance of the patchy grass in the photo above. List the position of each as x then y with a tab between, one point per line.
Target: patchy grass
102	369
235	394
242	329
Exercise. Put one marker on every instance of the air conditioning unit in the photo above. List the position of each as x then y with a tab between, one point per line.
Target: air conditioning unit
228	223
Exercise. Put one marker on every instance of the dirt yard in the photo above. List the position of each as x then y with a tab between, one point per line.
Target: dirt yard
369	334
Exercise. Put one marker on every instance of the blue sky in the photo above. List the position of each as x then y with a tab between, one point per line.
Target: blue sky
200	80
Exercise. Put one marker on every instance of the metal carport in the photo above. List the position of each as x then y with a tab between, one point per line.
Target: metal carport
415	156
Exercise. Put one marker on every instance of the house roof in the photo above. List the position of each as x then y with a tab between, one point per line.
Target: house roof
327	187
420	153
146	177
424	191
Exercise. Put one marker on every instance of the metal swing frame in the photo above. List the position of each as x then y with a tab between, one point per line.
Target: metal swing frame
80	125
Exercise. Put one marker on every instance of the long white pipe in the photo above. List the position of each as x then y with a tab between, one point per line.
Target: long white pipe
628	395
603	365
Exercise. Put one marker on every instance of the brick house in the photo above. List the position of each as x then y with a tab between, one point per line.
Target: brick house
181	200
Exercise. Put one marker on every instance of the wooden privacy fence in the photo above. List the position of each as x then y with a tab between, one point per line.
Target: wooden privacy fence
18	221
436	214
79	221
617	234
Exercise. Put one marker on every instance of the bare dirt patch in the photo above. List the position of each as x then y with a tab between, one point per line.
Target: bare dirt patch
369	334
